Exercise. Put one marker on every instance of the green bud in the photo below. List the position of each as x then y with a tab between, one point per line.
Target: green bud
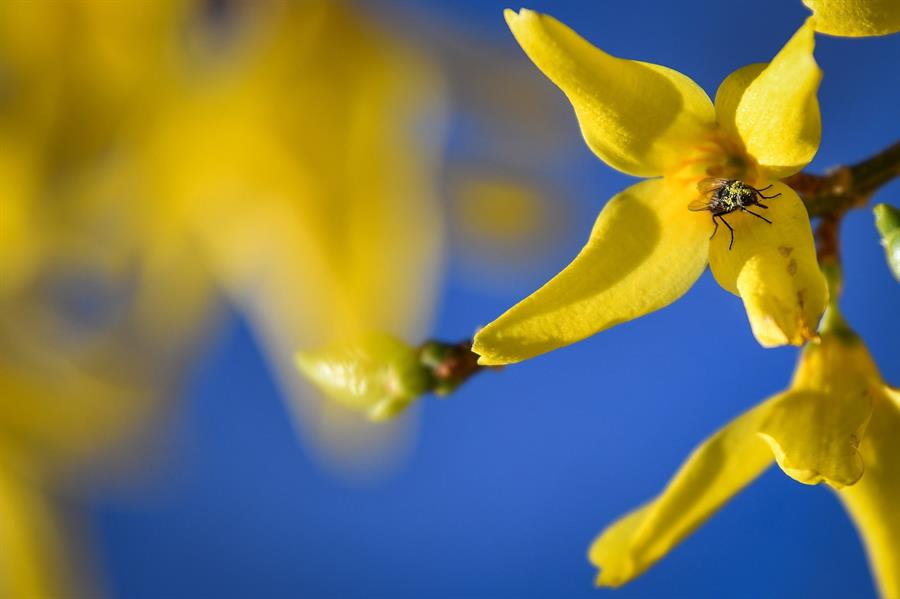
887	219
376	374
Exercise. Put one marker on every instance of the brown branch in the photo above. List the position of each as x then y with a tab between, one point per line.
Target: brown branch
846	187
450	364
828	248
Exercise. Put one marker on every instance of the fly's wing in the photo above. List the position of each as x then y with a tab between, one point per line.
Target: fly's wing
702	203
711	184
707	188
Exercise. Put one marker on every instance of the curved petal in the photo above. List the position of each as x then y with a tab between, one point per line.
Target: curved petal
816	427
773	268
873	501
645	251
716	471
815	436
855	18
730	93
637	117
773	108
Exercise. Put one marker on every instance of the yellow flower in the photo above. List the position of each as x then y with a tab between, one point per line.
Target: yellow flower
299	191
154	163
78	387
647	248
503	220
838	423
855	18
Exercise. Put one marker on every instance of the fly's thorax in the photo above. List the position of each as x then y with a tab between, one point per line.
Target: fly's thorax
734	195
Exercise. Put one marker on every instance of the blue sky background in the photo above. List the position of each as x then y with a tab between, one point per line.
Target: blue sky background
514	475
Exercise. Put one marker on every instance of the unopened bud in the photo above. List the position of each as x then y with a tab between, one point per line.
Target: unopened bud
887	219
376	374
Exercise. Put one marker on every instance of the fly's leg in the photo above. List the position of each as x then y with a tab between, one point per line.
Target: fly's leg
756	215
730	230
759	192
716	228
761	205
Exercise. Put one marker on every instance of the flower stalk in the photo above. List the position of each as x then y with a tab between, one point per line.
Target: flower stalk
448	364
830	196
846	187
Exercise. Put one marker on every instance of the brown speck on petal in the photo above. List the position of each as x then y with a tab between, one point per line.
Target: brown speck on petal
785	250
792	267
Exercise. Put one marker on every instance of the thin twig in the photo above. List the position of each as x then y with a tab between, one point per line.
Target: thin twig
846	187
450	364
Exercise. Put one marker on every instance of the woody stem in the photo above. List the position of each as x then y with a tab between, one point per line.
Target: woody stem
828	197
449	364
846	187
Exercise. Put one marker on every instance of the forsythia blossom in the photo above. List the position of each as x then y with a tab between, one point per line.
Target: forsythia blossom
838	423
647	248
150	164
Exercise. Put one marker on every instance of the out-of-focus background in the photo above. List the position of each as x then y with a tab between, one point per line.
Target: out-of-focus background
192	190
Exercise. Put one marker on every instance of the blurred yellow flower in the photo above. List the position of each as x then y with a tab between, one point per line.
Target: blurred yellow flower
838	423
153	161
87	353
503	223
647	248
500	211
299	192
855	18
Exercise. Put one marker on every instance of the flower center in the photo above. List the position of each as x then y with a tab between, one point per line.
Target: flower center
718	155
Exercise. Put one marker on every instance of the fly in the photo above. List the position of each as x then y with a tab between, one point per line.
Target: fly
724	196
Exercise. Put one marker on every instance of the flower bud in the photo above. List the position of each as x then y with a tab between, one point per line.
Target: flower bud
887	219
376	374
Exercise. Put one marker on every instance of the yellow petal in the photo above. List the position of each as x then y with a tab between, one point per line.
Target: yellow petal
840	362
645	251
855	18
65	416
773	268
773	108
19	242
816	428
637	117
873	502
717	470
815	436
